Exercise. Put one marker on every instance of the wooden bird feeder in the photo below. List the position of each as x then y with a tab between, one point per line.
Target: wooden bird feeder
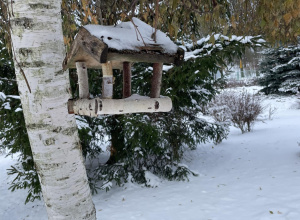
117	47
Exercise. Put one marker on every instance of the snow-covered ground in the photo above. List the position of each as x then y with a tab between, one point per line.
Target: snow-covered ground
251	176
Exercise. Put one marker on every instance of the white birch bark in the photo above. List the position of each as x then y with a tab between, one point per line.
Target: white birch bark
83	80
38	48
107	82
133	104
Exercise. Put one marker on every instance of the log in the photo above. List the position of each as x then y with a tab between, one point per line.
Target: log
142	57
156	80
126	79
83	80
85	47
134	104
108	80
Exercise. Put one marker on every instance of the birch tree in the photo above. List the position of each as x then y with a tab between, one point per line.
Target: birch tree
38	50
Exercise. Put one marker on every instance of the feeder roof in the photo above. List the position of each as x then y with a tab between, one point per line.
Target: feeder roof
132	35
127	42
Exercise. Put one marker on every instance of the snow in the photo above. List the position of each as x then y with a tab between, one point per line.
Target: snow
131	35
208	46
251	176
2	96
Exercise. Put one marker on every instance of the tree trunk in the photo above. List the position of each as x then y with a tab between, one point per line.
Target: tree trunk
38	52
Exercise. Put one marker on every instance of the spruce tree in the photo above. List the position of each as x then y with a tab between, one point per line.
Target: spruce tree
280	70
143	145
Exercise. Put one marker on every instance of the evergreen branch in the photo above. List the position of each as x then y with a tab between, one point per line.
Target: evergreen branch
6	79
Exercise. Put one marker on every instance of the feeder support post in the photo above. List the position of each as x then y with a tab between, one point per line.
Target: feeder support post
108	80
156	80
126	79
83	80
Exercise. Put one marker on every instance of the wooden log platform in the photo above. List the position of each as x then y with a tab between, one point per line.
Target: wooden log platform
133	104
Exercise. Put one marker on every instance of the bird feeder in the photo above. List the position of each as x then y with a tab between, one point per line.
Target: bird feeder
118	47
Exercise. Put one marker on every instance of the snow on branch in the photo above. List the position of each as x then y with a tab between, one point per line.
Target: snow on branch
217	42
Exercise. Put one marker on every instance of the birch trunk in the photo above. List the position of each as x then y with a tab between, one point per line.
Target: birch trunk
38	49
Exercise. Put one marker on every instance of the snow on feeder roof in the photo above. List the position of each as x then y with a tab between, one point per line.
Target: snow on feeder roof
127	36
130	41
116	47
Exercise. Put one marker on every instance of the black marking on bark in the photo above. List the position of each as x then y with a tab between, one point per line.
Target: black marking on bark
37	126
25	52
27	23
60	72
49	141
156	105
62	179
40	6
32	64
69	131
57	130
92	213
100	106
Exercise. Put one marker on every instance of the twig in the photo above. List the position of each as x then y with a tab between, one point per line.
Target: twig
98	8
137	30
156	20
20	68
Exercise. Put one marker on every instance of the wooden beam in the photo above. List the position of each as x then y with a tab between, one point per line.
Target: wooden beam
108	80
156	80
134	104
144	57
83	80
126	79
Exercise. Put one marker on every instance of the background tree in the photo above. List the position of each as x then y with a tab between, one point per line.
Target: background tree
281	70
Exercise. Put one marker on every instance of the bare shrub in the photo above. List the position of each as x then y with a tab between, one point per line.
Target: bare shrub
234	83
272	111
239	108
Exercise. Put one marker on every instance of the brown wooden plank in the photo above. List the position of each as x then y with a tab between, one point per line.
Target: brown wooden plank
126	79
156	80
140	57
